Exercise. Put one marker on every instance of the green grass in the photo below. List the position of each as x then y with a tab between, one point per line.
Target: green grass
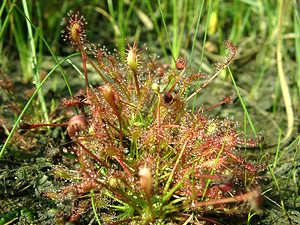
32	57
268	87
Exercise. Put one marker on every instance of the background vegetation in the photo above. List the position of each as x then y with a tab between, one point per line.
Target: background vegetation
266	71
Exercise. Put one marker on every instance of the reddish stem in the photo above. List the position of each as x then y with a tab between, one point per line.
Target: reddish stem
224	101
158	124
84	58
123	165
90	153
32	126
248	166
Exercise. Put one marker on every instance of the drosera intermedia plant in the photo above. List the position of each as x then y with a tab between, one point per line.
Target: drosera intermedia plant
141	155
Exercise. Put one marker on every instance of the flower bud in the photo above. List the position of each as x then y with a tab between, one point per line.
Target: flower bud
180	63
76	123
168	97
146	180
155	87
132	58
110	97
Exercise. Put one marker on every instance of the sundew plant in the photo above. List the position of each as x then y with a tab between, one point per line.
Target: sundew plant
138	153
149	112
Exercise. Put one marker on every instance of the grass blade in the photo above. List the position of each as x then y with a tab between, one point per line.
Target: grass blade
34	63
282	78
